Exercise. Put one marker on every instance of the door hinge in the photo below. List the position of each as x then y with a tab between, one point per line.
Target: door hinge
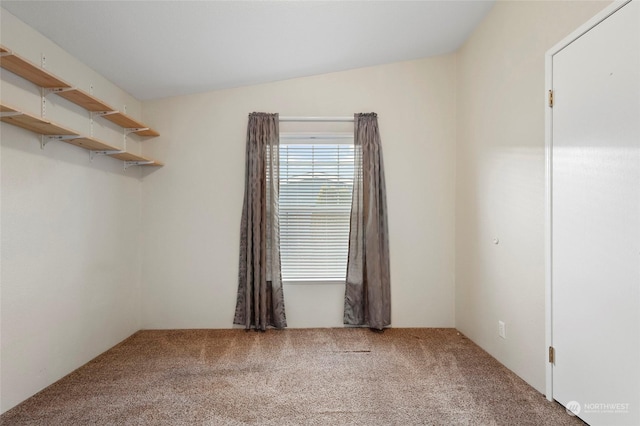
552	355
550	98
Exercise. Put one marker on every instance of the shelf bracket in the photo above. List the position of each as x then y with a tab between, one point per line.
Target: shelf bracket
45	139
94	154
62	137
135	129
49	90
125	134
103	113
9	114
93	114
128	164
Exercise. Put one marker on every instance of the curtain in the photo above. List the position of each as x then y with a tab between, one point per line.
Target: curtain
260	301
368	291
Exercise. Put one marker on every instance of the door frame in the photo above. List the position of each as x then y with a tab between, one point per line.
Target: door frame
579	32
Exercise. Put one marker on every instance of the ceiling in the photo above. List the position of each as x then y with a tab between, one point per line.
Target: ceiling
156	49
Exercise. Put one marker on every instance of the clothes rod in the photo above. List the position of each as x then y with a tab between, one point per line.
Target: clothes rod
317	119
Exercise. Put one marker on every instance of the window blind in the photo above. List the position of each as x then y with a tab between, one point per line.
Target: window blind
316	183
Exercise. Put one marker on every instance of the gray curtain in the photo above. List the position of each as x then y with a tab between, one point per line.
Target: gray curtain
368	291
260	301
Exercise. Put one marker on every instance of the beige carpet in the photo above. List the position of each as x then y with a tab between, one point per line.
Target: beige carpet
291	377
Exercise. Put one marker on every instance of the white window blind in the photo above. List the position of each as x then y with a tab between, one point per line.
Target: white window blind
316	182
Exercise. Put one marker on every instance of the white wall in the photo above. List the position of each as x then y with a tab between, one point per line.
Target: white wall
192	206
500	178
70	230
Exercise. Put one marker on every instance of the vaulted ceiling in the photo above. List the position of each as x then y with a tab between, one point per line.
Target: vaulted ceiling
156	49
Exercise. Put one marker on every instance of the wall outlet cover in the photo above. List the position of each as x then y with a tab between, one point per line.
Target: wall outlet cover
502	329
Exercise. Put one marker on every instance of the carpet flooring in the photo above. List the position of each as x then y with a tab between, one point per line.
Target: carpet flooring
345	376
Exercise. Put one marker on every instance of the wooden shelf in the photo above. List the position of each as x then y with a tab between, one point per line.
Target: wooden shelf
44	127
127	156
93	104
85	100
41	77
33	123
127	122
91	144
29	71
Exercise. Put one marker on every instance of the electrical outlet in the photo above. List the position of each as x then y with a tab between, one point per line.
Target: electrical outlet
502	329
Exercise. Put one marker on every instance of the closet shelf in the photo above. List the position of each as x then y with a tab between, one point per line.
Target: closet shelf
43	78
47	128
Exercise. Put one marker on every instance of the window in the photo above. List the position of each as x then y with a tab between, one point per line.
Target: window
316	182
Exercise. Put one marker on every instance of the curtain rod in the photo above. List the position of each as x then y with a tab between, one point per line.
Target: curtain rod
327	119
315	135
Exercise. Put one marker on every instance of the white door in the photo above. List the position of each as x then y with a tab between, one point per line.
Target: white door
595	222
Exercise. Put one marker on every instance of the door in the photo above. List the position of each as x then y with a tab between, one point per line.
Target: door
595	222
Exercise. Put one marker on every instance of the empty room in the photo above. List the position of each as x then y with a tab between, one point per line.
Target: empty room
320	212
